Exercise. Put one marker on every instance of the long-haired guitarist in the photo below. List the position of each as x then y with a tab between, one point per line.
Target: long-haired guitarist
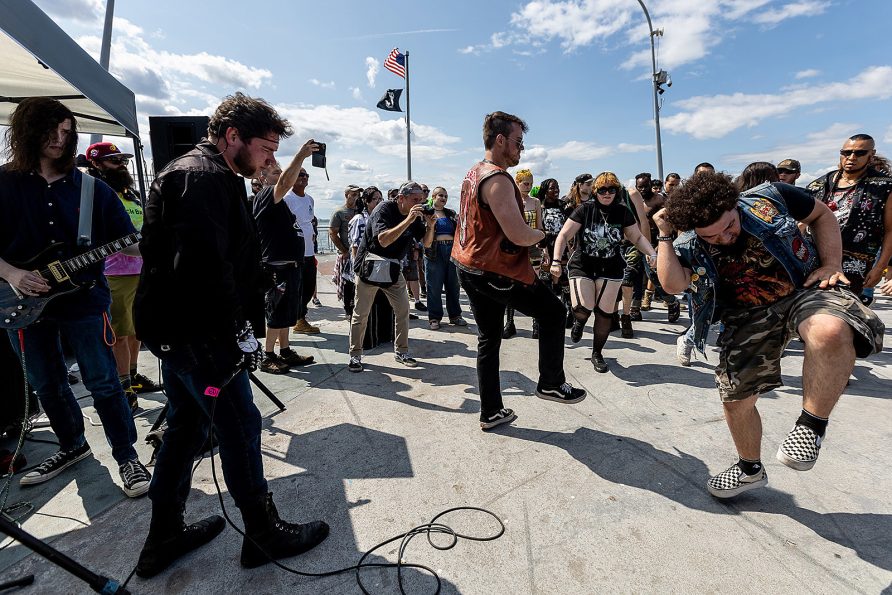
40	198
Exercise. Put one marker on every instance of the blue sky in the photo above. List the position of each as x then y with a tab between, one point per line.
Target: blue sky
752	79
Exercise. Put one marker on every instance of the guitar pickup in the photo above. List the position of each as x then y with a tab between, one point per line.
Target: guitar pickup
58	271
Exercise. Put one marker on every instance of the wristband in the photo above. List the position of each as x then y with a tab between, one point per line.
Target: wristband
664	238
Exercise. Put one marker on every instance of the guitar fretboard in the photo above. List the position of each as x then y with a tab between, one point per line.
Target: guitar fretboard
86	259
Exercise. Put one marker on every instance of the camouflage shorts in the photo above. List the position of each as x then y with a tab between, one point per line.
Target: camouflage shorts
755	338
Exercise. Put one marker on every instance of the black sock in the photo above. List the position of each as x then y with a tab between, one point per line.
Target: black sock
132	371
601	330
269	354
818	424
749	467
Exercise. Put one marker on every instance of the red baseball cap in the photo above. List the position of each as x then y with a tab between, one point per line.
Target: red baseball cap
98	151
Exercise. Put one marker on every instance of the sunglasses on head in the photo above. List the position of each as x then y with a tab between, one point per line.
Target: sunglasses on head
856	152
607	190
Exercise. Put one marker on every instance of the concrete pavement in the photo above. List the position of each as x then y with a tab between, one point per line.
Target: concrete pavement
603	496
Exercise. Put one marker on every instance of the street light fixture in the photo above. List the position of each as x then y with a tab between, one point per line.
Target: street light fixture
659	78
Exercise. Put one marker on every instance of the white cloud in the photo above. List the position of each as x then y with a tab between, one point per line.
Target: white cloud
322	84
357	94
692	27
888	137
360	128
808	73
818	153
718	115
584	151
76	10
349	165
791	10
372	67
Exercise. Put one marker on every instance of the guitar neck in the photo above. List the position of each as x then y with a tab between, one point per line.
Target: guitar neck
86	259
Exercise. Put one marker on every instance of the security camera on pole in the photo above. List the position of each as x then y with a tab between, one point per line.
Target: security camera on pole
660	78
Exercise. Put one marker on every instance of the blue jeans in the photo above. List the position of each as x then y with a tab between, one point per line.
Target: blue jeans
88	337
188	371
440	271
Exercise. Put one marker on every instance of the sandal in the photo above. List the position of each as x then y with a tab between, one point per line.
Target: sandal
435	325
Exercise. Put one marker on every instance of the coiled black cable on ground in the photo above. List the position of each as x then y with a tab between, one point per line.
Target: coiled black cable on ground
404	538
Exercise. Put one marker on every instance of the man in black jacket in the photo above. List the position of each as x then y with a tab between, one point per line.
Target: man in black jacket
197	294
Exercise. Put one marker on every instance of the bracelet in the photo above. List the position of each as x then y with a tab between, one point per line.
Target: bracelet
555	264
664	238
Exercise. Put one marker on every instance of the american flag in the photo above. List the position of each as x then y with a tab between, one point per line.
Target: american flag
396	63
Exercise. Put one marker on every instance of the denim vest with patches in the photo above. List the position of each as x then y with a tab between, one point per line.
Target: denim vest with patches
764	215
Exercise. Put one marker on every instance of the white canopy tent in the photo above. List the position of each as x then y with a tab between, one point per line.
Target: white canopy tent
37	58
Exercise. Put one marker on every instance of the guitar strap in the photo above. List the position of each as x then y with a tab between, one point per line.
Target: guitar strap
85	222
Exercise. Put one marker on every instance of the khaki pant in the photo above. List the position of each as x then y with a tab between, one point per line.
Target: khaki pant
365	297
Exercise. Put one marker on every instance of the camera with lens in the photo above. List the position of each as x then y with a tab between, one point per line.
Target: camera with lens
427	209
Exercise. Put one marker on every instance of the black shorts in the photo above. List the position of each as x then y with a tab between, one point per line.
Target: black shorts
599	268
283	297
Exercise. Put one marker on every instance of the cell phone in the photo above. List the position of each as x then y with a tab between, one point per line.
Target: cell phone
319	156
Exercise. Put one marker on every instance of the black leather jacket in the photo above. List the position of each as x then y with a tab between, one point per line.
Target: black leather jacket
201	277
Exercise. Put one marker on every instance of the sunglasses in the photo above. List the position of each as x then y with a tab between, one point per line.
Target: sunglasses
118	160
855	152
784	170
608	190
303	175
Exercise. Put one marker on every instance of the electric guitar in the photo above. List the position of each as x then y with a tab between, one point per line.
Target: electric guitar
18	310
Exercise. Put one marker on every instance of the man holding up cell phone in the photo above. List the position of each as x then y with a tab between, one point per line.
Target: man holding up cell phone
302	205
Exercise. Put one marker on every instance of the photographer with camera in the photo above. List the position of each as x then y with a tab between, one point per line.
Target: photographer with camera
200	287
389	233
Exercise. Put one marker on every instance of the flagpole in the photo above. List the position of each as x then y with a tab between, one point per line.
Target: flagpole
408	123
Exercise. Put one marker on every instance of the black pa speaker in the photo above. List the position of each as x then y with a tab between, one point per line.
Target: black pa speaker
173	136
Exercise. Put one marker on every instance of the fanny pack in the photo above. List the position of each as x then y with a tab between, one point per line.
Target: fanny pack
380	271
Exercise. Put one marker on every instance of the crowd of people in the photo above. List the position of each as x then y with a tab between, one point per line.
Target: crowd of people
765	260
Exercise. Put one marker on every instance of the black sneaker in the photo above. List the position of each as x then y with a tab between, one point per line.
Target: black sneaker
599	363
564	393
635	314
404	359
420	306
136	478
576	331
54	465
355	364
504	416
143	384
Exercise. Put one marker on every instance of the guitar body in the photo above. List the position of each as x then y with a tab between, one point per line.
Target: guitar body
18	310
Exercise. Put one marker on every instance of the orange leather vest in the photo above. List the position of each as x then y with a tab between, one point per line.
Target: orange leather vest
480	242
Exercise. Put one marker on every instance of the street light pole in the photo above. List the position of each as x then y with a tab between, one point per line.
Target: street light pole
655	76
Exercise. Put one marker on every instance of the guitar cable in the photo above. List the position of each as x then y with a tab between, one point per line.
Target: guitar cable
429	528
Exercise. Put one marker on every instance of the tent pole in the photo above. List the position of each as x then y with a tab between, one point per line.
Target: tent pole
140	172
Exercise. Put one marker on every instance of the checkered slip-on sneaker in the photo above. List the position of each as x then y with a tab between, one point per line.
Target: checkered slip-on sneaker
800	448
733	481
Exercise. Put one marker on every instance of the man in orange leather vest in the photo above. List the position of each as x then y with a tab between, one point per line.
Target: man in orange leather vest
492	254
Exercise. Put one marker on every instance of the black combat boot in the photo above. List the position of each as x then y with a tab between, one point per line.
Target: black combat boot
267	537
170	538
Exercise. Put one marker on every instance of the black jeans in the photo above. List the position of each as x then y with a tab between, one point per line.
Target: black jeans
308	285
488	297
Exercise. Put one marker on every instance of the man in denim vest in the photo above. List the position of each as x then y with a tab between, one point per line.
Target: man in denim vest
747	264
